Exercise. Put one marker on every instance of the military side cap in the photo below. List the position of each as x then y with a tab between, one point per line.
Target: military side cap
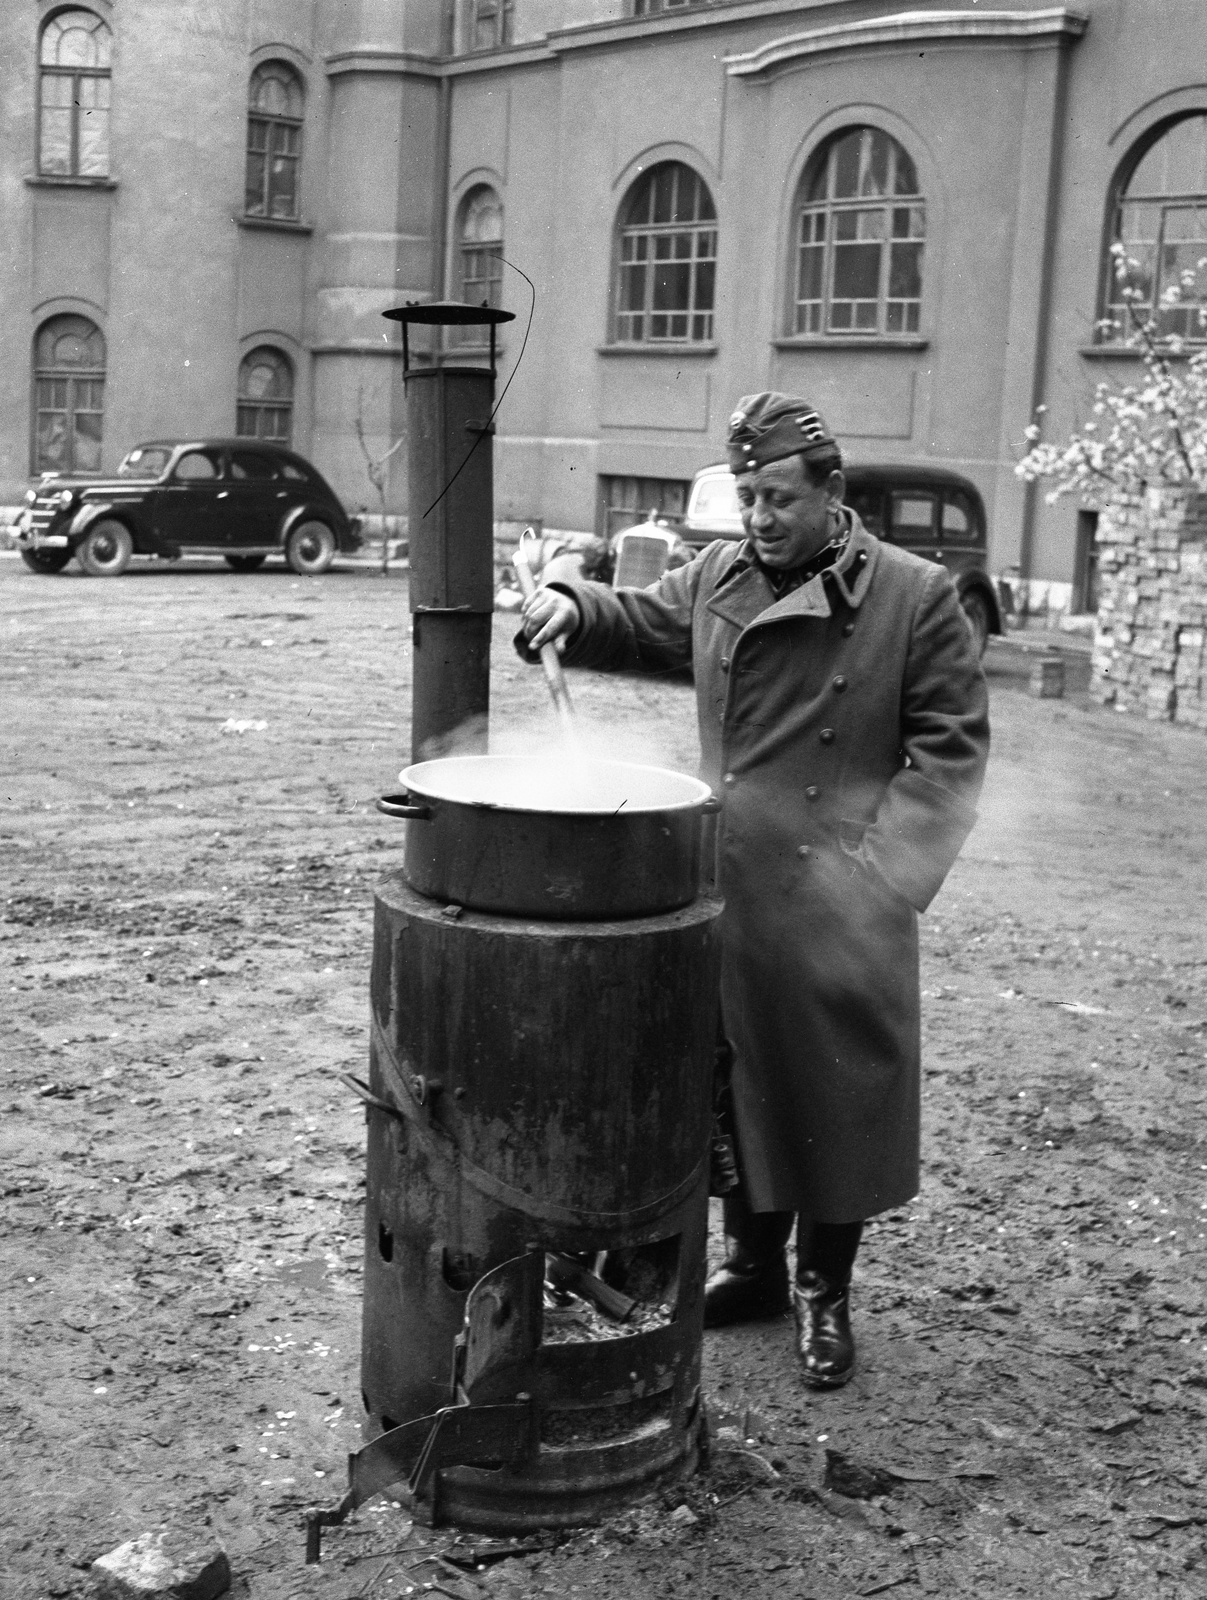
767	427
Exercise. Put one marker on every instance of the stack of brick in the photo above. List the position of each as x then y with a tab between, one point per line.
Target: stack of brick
1149	654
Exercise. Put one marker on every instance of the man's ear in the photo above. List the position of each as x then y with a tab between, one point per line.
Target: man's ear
836	487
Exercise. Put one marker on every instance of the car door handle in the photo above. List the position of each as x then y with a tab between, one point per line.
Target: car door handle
222	494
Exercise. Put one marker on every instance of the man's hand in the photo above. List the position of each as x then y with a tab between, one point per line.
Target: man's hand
549	617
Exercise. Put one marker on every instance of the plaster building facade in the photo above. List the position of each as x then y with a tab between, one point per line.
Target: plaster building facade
902	211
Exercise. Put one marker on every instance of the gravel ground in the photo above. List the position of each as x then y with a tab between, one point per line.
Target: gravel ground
190	849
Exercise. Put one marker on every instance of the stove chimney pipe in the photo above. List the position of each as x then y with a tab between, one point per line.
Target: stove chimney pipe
451	531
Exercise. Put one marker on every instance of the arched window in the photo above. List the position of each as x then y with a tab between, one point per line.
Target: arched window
859	225
73	96
667	258
480	243
265	405
274	142
69	396
1160	219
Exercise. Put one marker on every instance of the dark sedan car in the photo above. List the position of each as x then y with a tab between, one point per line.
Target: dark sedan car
930	510
243	499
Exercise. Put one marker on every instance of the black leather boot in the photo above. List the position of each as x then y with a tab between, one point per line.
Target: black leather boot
752	1281
825	1254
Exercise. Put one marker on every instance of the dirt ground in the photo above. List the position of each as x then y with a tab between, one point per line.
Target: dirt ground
189	852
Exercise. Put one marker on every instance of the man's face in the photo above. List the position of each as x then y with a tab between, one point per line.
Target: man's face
787	518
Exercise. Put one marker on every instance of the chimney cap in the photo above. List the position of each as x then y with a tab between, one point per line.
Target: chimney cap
449	314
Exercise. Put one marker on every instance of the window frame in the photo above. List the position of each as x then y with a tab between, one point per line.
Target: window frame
76	74
271	122
91	375
700	320
498	16
468	288
260	405
1113	325
800	322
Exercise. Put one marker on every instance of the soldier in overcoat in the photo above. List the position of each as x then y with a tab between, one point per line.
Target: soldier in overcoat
843	722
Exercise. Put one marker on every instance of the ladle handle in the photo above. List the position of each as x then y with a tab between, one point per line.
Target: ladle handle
550	660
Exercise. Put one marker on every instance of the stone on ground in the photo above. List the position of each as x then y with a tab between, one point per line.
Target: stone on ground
173	1564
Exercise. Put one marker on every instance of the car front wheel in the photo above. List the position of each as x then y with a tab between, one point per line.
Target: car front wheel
244	563
976	609
106	549
310	548
46	560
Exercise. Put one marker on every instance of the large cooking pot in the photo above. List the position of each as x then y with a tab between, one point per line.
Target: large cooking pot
571	839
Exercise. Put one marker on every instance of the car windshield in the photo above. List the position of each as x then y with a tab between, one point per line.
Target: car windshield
144	461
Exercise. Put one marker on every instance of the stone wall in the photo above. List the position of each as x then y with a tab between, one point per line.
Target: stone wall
1149	652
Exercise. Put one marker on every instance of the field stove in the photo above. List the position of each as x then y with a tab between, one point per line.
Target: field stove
539	1109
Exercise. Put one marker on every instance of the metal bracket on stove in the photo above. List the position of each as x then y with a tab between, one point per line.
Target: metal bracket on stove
462	1435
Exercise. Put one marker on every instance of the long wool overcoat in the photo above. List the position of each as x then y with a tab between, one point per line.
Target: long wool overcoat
848	750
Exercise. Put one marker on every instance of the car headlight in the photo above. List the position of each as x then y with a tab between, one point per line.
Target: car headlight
65	498
31	496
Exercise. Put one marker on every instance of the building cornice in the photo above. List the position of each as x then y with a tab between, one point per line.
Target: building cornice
902	28
910	28
393	63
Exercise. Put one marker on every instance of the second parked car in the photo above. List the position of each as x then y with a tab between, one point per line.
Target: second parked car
930	510
244	499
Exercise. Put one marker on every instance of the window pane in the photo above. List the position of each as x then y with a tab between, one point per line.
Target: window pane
1176	164
247	464
856	271
195	466
94	127
905	272
663	196
50	445
706	278
282	180
76	39
276	91
874	163
846	166
913	515
55	145
671	283
88	441
905	180
957	518
253	193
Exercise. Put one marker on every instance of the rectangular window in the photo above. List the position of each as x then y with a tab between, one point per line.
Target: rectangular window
491	24
913	518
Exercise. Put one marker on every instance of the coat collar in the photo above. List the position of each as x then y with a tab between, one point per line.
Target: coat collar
743	595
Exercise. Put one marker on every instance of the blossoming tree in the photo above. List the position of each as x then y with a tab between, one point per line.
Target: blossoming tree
1141	460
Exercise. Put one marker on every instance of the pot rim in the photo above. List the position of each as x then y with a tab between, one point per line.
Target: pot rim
418	779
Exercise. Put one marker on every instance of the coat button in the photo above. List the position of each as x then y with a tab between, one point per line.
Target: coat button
848	628
826	736
862	557
724	663
802	850
728	778
840	684
812	792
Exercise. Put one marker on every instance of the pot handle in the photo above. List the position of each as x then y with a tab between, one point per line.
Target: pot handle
401	805
710	806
